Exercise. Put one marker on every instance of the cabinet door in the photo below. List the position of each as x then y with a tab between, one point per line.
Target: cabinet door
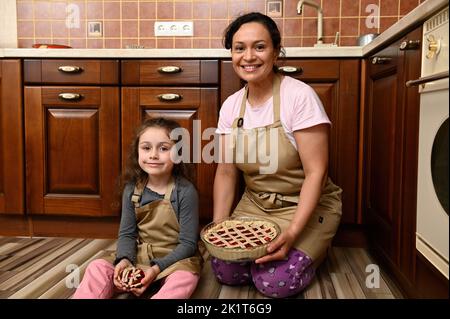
229	81
383	126
11	138
72	150
195	111
336	82
392	124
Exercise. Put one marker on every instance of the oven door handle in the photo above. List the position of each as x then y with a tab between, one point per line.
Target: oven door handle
426	79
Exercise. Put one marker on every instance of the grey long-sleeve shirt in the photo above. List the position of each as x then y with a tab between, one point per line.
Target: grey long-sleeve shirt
184	200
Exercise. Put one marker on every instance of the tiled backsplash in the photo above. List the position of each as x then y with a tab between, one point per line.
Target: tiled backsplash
131	23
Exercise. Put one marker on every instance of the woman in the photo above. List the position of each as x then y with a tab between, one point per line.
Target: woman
291	187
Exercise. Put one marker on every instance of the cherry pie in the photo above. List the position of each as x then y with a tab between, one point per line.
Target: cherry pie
241	234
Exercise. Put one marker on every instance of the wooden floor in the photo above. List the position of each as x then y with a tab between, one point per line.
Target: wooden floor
43	268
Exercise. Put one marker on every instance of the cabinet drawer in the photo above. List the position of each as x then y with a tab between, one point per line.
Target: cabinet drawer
71	96
167	72
174	96
385	59
310	69
94	72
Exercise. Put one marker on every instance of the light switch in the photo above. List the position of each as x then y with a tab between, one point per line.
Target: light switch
174	28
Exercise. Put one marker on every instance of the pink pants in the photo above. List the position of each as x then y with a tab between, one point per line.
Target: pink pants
98	283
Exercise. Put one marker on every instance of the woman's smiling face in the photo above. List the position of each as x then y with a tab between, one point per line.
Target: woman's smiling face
252	52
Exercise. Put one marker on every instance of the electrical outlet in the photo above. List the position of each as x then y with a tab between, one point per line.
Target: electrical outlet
174	28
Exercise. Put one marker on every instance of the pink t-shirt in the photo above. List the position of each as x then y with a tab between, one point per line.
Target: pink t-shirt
300	108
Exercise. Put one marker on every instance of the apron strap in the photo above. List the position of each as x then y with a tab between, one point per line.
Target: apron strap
276	98
170	187
137	194
243	103
276	103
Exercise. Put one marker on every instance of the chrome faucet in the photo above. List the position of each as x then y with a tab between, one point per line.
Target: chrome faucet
300	5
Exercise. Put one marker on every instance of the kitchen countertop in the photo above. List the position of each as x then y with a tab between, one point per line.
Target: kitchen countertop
413	18
171	53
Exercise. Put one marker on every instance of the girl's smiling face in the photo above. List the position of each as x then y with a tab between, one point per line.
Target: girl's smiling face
252	52
154	151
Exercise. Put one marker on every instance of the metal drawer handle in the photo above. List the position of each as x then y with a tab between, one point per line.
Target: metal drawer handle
290	69
70	96
70	69
379	60
169	97
410	45
170	69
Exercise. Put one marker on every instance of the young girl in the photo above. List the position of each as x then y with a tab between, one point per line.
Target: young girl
159	224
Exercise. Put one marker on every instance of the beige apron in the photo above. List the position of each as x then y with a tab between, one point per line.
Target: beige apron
275	196
158	231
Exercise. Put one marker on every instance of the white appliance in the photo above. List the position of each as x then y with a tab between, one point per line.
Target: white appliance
432	236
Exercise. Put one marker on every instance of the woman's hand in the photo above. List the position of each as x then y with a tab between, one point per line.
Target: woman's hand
124	263
150	275
279	249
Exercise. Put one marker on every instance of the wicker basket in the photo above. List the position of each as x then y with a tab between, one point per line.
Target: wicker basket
236	253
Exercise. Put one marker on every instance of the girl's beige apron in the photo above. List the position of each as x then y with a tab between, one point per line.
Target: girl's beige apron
275	195
158	231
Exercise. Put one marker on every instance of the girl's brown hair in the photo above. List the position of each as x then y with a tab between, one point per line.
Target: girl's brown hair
133	173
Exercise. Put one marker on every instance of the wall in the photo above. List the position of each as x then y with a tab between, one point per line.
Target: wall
8	24
128	23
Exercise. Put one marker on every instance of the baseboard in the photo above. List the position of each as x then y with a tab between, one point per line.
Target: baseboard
351	235
430	283
14	225
348	235
74	227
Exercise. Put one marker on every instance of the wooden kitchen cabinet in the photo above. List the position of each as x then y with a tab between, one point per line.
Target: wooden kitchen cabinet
72	137
12	189
183	90
391	124
336	81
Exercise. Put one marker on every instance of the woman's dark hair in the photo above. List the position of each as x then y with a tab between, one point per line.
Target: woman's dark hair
133	172
258	17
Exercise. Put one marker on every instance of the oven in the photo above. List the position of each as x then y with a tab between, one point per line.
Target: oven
432	234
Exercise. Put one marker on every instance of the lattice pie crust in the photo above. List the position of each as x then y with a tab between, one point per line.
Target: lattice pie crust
240	234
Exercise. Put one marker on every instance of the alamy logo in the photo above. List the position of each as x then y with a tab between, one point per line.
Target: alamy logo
241	146
73	16
373	278
73	279
265	151
373	19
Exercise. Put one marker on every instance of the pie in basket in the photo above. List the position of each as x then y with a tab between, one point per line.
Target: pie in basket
241	234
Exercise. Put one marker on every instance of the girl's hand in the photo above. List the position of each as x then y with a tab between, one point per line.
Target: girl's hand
279	249
150	275
124	263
